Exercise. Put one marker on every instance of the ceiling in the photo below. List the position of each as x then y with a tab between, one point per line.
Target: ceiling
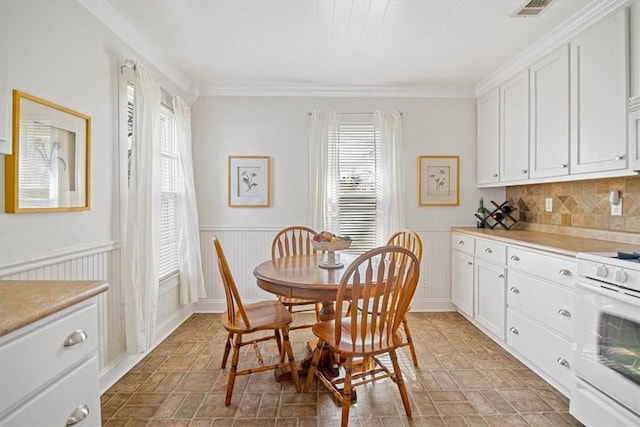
338	45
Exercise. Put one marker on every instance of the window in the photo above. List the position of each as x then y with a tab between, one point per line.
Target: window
169	194
170	181
357	143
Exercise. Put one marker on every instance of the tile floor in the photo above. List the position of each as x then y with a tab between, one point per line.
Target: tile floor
464	379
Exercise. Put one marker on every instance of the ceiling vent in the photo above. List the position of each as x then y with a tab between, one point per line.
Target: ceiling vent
532	8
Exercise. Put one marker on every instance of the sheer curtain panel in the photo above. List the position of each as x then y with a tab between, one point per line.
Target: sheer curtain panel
143	228
324	175
191	278
390	180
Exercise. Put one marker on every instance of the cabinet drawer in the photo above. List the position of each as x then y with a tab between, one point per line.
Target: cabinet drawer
549	304
33	359
551	267
462	243
491	251
55	404
548	351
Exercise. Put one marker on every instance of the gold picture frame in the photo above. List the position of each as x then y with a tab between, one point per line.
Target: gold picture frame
249	181
49	168
439	180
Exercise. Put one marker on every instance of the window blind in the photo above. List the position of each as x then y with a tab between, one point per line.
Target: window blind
169	194
357	185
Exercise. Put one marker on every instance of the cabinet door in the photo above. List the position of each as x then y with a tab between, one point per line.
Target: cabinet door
634	138
599	73
514	135
490	297
549	113
489	137
462	282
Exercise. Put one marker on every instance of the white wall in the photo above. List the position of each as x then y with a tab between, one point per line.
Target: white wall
57	50
278	127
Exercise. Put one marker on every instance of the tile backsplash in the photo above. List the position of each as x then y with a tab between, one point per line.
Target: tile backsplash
583	204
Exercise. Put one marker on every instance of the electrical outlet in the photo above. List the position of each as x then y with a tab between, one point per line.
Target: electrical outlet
616	210
548	204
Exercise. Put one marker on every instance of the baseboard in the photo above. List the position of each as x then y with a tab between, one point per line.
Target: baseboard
112	373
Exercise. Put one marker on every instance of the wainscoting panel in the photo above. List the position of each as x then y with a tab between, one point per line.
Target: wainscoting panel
246	248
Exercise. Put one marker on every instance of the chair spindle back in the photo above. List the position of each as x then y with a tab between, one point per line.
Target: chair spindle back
294	240
234	303
384	280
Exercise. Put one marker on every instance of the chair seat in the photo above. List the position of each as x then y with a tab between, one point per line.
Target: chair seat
371	345
262	315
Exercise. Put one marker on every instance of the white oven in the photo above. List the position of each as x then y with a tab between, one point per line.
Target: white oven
607	336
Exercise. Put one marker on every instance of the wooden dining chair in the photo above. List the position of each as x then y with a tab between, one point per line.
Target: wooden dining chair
408	239
385	279
295	240
244	319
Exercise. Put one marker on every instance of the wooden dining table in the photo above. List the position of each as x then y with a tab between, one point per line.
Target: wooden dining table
299	276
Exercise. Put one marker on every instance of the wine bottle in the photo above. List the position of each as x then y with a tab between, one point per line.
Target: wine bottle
481	212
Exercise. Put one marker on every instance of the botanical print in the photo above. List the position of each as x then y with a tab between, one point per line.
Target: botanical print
439	180
248	182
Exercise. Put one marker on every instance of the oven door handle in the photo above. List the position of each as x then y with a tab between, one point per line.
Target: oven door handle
604	291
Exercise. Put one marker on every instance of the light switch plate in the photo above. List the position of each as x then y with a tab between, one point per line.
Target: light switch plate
548	204
616	210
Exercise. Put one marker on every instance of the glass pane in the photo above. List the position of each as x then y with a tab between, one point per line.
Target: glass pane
619	345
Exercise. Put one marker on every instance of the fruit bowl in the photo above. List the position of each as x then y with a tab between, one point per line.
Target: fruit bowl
337	245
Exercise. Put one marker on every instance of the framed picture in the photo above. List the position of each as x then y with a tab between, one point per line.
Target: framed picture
249	181
438	180
48	169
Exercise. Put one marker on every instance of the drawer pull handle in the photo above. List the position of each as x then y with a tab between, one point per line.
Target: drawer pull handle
76	337
514	331
563	165
461	243
515	258
565	272
500	276
488	250
495	175
514	290
78	414
618	158
469	262
564	312
524	171
564	362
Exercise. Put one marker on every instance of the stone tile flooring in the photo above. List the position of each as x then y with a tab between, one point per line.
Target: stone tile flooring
464	379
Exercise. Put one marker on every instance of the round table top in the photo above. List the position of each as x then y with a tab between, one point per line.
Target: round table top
299	276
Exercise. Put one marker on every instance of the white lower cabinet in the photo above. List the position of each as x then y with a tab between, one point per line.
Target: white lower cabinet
523	298
462	282
49	370
490	300
548	351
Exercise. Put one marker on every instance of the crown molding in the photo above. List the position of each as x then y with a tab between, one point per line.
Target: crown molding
422	91
594	12
137	40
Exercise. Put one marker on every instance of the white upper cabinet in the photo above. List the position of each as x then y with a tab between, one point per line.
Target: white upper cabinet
599	95
489	137
514	135
549	115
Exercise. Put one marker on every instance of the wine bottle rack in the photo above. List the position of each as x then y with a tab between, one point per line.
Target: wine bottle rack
498	217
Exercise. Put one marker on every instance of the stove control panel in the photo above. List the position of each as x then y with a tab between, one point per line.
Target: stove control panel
620	276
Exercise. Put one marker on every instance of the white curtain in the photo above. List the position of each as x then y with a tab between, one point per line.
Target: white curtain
390	185
143	225
191	279
324	172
